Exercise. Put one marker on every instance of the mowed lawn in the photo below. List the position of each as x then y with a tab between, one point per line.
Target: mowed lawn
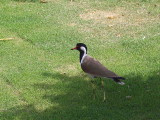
41	78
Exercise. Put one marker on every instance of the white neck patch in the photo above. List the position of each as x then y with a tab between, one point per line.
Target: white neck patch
83	49
85	53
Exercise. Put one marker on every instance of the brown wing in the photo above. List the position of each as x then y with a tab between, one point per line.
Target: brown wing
95	68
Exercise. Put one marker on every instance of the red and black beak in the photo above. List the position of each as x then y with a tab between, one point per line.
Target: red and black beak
74	48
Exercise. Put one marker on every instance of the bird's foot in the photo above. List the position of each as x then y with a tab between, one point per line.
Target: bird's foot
94	97
104	100
104	97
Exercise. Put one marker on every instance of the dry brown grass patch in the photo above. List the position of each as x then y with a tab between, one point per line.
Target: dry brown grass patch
119	22
99	15
66	68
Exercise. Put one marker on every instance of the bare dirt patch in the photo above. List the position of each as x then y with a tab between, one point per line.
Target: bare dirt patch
116	23
65	68
72	24
118	16
99	15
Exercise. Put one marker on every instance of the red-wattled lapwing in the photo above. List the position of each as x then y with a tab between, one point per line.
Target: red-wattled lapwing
94	68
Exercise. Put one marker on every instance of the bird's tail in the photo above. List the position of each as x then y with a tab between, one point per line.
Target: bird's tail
117	79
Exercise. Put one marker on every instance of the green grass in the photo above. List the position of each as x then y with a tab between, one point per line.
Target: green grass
40	77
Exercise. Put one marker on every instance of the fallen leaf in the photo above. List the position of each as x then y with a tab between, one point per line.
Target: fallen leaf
7	39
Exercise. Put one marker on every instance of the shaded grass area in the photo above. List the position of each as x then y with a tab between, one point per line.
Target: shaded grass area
40	77
139	106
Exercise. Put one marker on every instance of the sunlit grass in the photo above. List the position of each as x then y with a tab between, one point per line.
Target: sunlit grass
40	76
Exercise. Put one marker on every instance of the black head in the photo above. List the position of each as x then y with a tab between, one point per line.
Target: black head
80	47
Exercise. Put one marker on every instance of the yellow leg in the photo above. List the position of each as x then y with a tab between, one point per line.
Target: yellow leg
104	93
94	88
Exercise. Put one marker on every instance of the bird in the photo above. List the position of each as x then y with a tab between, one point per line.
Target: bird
95	69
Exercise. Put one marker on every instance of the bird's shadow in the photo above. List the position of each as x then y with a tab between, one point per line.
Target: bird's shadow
72	97
72	86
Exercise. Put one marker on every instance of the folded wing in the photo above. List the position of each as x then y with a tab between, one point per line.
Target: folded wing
95	68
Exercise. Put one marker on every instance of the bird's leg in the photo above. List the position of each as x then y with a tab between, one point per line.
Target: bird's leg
94	88
104	93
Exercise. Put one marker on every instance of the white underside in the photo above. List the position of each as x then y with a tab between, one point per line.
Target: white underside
92	76
121	83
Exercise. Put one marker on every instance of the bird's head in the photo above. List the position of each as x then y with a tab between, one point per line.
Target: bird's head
80	47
